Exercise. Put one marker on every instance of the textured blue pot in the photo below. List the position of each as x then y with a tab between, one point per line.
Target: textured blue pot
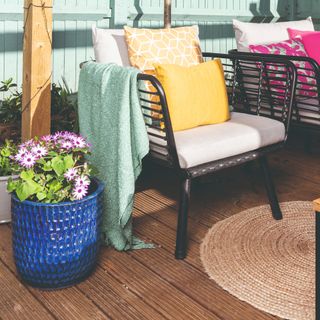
56	245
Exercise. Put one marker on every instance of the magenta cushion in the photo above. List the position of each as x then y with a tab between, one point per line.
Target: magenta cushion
310	40
293	33
306	82
293	47
311	43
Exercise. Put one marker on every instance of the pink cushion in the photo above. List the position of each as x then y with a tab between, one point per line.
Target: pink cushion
311	43
291	48
310	40
293	33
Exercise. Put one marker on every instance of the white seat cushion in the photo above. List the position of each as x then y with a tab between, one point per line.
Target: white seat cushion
110	46
242	133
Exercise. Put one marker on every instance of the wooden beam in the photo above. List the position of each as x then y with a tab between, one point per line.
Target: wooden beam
167	13
37	68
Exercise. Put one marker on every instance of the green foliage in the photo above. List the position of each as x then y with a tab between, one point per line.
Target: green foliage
64	106
6	166
10	107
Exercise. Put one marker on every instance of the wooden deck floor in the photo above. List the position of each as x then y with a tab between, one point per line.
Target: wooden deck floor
151	284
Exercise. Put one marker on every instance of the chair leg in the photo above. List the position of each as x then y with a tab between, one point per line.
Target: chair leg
273	200
182	228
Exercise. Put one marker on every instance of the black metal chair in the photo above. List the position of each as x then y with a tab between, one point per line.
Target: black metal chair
306	105
169	149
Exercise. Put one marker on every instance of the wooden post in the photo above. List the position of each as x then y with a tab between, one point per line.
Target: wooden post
167	13
37	68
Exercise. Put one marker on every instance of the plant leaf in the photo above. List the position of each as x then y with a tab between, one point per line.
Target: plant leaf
41	195
47	166
27	175
55	186
11	185
68	162
58	165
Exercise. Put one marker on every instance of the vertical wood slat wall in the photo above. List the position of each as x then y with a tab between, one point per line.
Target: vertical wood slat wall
73	20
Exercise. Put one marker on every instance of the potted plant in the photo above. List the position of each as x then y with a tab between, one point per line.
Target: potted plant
7	170
10	111
56	211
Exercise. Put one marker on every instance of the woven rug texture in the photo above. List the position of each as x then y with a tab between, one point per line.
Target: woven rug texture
267	263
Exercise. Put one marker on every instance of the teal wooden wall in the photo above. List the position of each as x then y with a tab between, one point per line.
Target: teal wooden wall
73	20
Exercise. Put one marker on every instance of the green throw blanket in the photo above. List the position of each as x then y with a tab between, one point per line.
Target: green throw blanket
110	118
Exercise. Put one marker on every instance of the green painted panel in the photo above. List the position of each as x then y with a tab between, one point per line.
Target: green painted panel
71	36
73	20
214	17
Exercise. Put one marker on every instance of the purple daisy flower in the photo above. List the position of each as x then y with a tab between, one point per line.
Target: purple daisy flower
67	145
28	160
21	153
79	192
79	142
82	181
57	136
46	138
39	151
71	174
68	135
29	143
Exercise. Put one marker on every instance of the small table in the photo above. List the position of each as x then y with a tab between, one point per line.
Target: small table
316	206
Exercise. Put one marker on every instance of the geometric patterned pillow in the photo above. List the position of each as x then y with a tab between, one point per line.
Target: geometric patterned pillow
147	47
294	47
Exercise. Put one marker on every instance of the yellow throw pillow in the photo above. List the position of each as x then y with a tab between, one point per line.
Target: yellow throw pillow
196	95
173	45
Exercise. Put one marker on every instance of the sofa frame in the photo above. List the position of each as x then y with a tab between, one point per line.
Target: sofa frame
306	110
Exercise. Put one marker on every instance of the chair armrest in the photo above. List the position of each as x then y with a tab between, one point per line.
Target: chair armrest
155	110
81	64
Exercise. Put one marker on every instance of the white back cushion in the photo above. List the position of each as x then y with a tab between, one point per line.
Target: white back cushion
248	33
110	46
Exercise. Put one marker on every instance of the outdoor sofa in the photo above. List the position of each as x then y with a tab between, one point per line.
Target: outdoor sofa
262	104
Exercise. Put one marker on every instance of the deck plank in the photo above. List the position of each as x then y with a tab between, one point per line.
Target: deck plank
153	289
69	304
114	296
189	271
80	302
196	285
16	302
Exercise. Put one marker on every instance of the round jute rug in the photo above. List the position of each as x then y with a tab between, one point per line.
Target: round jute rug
267	263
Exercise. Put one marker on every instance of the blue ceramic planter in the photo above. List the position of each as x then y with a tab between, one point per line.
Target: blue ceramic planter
56	245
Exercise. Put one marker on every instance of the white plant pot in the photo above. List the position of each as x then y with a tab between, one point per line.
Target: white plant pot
5	199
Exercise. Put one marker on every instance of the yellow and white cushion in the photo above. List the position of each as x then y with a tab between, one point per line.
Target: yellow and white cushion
146	47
